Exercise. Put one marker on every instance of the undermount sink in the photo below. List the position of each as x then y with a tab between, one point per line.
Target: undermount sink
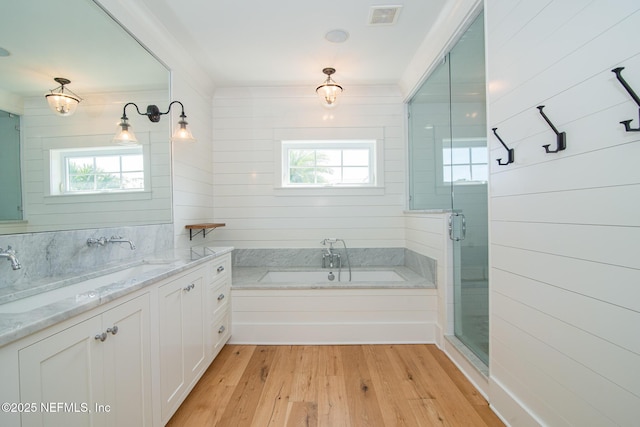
84	290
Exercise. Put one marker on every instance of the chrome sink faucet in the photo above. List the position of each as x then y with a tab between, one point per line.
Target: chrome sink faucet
113	239
10	255
119	239
100	241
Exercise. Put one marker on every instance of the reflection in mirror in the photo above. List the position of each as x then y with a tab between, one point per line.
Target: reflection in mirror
65	171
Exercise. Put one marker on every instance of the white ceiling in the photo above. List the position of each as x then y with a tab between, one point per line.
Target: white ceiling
238	43
282	42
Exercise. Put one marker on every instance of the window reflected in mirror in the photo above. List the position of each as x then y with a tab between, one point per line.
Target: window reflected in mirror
97	170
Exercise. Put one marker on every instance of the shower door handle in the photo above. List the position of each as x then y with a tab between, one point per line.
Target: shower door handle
454	219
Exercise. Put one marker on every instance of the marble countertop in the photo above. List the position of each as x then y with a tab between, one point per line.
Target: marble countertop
18	319
249	278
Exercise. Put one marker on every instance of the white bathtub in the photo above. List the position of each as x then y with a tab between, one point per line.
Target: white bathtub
357	276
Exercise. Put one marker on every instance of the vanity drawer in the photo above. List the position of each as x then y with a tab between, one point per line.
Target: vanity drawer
220	330
221	267
218	296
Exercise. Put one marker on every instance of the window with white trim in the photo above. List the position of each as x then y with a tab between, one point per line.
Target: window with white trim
97	170
327	163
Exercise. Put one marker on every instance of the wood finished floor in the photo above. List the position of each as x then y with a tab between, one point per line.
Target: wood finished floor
334	386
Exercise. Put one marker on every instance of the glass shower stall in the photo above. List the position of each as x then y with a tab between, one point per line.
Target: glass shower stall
448	164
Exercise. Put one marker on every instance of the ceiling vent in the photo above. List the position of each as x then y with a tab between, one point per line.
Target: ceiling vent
384	15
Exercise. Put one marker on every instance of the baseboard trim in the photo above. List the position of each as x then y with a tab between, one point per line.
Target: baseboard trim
333	333
509	408
473	374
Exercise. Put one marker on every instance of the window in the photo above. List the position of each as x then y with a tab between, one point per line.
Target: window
465	162
98	169
328	163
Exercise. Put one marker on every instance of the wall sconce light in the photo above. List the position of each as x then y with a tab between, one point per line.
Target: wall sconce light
61	102
125	135
329	90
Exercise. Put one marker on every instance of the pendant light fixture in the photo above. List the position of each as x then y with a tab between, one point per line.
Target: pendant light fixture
61	102
125	135
329	90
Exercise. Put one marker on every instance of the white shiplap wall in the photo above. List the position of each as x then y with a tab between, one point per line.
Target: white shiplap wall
427	235
565	271
191	163
247	124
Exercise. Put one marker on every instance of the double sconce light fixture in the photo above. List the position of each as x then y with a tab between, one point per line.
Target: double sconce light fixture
125	135
329	90
61	102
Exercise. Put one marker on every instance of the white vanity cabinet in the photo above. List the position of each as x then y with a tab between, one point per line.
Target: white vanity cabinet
182	341
129	362
99	369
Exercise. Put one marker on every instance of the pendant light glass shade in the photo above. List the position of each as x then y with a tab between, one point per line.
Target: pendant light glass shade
329	91
61	102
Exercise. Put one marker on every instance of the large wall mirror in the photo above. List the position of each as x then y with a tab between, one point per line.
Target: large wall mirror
64	172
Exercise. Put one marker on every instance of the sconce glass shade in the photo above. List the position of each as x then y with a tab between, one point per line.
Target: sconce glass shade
124	135
182	132
61	102
329	90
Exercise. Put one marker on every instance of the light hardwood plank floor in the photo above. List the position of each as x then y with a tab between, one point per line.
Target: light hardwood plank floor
334	386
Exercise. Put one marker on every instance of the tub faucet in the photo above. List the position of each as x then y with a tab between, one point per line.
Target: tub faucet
329	258
119	239
334	258
10	255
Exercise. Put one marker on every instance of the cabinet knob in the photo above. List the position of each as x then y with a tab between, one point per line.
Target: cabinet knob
220	297
222	329
113	330
220	269
101	337
188	288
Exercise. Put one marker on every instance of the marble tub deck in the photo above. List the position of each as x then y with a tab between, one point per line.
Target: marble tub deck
249	278
14	326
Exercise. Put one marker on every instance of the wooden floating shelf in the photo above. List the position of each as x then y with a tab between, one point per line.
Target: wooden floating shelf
204	228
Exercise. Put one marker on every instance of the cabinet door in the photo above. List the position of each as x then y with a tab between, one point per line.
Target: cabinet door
171	337
127	364
64	372
182	342
194	342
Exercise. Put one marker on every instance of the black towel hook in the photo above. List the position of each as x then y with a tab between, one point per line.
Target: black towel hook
627	123
510	151
561	137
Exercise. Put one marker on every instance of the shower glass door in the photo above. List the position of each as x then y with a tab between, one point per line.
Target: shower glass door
468	171
449	170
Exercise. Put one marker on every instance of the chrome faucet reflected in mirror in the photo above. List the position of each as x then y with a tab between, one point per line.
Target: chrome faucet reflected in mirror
10	255
101	241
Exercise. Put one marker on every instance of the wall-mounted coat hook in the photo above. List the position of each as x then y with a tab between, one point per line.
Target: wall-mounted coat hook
510	151
561	137
627	123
